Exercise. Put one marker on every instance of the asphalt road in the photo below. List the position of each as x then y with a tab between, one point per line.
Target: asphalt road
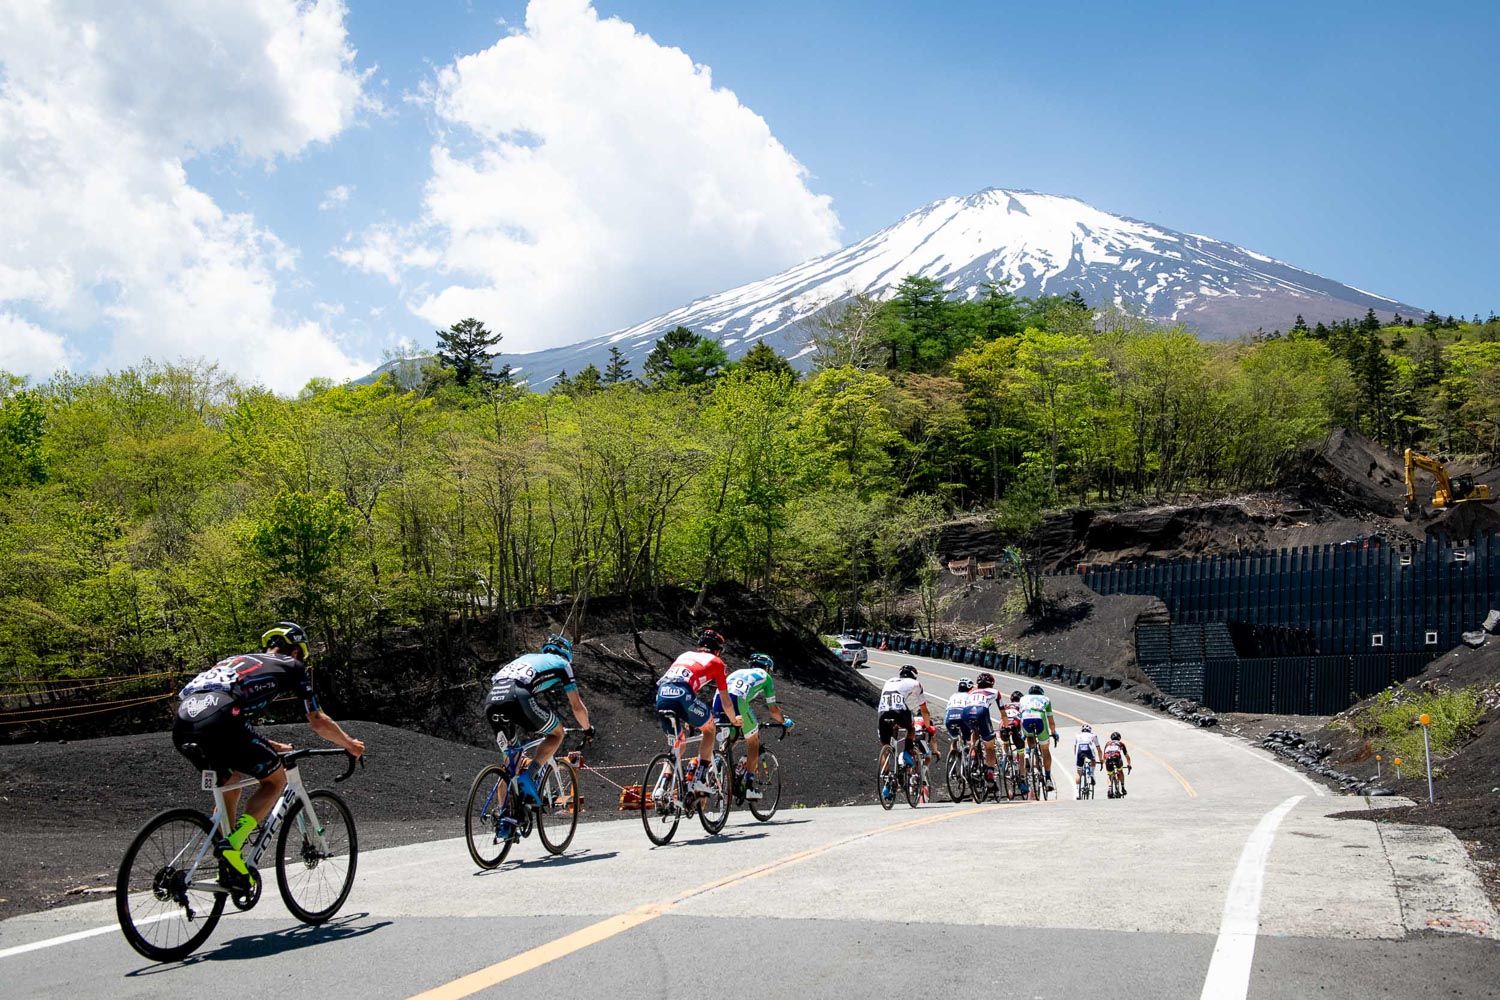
1221	875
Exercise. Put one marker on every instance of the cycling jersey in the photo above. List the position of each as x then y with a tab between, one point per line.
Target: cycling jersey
694	669
538	672
1010	715
902	694
1035	706
244	685
745	686
1087	742
1114	748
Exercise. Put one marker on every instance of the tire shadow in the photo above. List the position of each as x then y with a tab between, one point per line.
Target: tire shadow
252	946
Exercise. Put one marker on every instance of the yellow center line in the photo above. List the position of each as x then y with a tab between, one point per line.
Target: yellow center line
1192	793
621	922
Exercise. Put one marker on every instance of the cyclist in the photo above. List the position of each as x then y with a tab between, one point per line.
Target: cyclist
214	731
901	703
745	686
677	695
977	718
1085	747
953	719
1037	721
512	708
1011	733
1114	750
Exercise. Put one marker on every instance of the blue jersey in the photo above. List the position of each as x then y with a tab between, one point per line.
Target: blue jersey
538	672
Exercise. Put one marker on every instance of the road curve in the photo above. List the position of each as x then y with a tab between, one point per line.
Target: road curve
1222	875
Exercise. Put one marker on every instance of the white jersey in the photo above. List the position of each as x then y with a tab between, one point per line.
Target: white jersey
1087	741
960	701
984	698
902	694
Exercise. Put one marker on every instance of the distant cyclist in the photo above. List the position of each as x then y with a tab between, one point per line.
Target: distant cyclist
214	731
1085	748
744	687
978	720
677	695
1037	721
1116	753
902	702
511	705
953	718
1011	734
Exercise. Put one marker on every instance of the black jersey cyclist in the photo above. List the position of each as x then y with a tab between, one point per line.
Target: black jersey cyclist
214	731
512	708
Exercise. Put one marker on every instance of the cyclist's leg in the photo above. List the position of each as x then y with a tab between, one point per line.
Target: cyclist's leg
750	732
699	715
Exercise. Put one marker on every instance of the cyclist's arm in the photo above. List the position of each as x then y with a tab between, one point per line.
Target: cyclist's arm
580	713
1051	721
775	711
331	731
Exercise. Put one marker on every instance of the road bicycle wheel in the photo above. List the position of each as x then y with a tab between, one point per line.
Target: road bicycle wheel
1035	785
1003	777
911	783
557	817
886	785
315	867
713	811
660	814
977	784
768	783
958	788
161	899
482	818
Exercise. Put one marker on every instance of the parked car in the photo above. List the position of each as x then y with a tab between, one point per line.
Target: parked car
852	652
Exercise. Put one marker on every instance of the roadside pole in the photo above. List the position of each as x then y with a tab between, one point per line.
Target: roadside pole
1398	768
1426	720
1377	765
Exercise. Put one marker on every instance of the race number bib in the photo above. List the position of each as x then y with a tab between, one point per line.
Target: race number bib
520	672
678	675
739	687
892	701
219	677
210	781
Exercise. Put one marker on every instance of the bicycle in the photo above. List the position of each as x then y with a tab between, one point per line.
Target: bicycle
768	775
492	824
895	772
1036	775
1086	783
966	776
1117	782
169	894
665	799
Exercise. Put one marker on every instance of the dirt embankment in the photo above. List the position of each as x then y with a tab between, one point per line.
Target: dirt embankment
70	807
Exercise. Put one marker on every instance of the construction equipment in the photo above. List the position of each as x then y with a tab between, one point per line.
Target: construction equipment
1450	491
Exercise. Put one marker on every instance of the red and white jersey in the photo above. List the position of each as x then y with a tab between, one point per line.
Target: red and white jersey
1114	748
983	698
1010	714
902	693
696	668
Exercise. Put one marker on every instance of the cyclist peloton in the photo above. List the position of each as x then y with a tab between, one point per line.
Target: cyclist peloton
745	686
677	694
214	731
1085	747
1037	721
512	708
902	702
1114	749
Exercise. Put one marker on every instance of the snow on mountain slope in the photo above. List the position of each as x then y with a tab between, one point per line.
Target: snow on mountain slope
1042	244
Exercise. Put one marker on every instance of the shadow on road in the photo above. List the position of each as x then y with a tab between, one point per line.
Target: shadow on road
251	946
721	839
550	861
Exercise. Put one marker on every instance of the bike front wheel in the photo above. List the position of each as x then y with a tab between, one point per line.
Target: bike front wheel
912	784
482	818
660	810
161	899
557	817
886	787
768	783
713	811
957	790
315	861
978	785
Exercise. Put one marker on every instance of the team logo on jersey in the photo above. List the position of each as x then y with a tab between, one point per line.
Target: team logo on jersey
194	706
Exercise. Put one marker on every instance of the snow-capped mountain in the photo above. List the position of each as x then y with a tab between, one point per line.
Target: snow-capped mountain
1040	243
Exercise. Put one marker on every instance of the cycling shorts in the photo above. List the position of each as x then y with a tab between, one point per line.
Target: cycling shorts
954	723
679	702
977	719
1114	763
892	720
1015	736
514	709
1086	753
225	744
748	724
1035	727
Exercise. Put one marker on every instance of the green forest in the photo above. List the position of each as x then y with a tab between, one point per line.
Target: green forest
161	515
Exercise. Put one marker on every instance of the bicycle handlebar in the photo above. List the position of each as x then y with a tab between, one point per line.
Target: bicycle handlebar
774	725
291	757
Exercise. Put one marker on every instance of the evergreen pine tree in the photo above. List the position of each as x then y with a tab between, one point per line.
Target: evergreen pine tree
761	359
466	348
1075	301
1371	322
1432	322
682	357
618	369
1299	328
588	381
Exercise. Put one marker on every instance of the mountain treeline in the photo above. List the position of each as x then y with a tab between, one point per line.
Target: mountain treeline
162	515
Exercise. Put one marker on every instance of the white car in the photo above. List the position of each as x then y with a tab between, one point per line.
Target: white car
852	652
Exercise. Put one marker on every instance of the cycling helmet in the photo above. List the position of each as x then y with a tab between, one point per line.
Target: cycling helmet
287	637
1015	695
762	661
710	640
1088	728
558	646
985	680
909	671
1035	689
964	684
1115	735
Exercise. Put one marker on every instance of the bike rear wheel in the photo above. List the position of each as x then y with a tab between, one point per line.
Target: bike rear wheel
768	783
713	811
315	867
978	786
911	783
157	887
557	816
957	788
482	818
659	814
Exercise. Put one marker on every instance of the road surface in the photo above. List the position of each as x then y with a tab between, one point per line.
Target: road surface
1222	875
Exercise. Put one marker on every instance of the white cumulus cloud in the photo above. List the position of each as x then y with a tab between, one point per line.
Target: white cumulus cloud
587	177
101	104
27	349
335	197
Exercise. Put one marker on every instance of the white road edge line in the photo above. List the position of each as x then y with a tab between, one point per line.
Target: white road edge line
1317	789
22	949
1229	971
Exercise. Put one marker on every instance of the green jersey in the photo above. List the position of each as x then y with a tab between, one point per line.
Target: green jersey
751	683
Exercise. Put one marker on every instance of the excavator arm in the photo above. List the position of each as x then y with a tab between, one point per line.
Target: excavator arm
1448	492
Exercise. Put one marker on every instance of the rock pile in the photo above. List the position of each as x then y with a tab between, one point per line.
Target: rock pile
1309	754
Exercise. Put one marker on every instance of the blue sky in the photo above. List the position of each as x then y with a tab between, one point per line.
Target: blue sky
1351	139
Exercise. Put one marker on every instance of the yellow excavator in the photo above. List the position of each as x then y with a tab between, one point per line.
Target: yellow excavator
1450	491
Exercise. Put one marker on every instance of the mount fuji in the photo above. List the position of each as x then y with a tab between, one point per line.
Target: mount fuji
1042	244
